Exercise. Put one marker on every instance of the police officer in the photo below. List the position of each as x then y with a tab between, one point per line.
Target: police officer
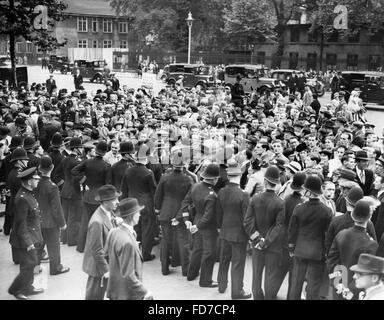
306	240
198	208
71	197
118	169
231	206
48	197
94	172
56	156
170	192
263	224
26	235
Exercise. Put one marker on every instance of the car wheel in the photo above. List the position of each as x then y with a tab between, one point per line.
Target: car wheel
97	79
202	85
171	82
228	85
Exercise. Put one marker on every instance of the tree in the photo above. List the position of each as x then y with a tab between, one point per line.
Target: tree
17	20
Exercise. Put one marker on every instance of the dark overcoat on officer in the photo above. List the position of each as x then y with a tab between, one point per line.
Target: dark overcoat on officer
118	170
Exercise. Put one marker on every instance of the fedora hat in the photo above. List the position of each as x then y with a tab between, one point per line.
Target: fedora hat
272	175
29	143
107	192
75	143
233	168
298	181
368	263
127	147
354	195
211	171
362	155
46	164
313	184
361	212
129	206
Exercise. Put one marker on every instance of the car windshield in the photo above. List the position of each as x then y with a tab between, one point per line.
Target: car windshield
203	70
375	80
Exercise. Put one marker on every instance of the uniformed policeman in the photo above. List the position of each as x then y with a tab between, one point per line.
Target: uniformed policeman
127	161
26	235
198	209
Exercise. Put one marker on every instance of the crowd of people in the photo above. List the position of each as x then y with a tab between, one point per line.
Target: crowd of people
296	184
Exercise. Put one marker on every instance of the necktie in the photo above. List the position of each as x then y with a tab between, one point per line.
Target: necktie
362	176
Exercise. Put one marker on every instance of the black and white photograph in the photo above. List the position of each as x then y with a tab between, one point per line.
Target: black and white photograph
205	151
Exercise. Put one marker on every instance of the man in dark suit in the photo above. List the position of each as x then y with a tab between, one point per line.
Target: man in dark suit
350	243
139	182
125	259
364	176
26	234
71	197
306	238
57	157
126	162
30	145
198	211
94	172
263	224
231	206
50	84
170	192
95	262
78	79
292	200
345	221
52	217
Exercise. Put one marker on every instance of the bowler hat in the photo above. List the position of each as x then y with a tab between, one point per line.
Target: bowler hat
211	171
28	173
361	212
233	168
298	181
354	195
362	155
107	192
313	184
301	147
102	148
57	140
272	175
126	147
45	164
19	154
75	143
129	206
369	263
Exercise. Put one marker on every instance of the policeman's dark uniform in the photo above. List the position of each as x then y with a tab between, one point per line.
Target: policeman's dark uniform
119	168
96	173
26	231
48	197
170	192
139	182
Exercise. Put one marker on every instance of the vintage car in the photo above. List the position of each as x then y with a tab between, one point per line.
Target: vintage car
371	84
92	70
6	72
254	77
193	75
284	74
59	63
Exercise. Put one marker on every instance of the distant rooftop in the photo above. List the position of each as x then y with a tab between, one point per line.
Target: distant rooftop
89	7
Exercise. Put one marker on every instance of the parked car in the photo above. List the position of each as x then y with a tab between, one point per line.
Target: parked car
92	70
254	77
59	63
284	74
371	84
194	74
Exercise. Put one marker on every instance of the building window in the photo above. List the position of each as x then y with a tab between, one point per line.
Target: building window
28	47
312	36
260	57
19	46
123	44
312	61
123	27
82	24
95	26
352	61
374	62
107	26
107	44
295	35
94	43
293	60
82	44
331	61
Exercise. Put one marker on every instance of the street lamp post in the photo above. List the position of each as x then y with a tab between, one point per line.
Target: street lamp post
189	22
